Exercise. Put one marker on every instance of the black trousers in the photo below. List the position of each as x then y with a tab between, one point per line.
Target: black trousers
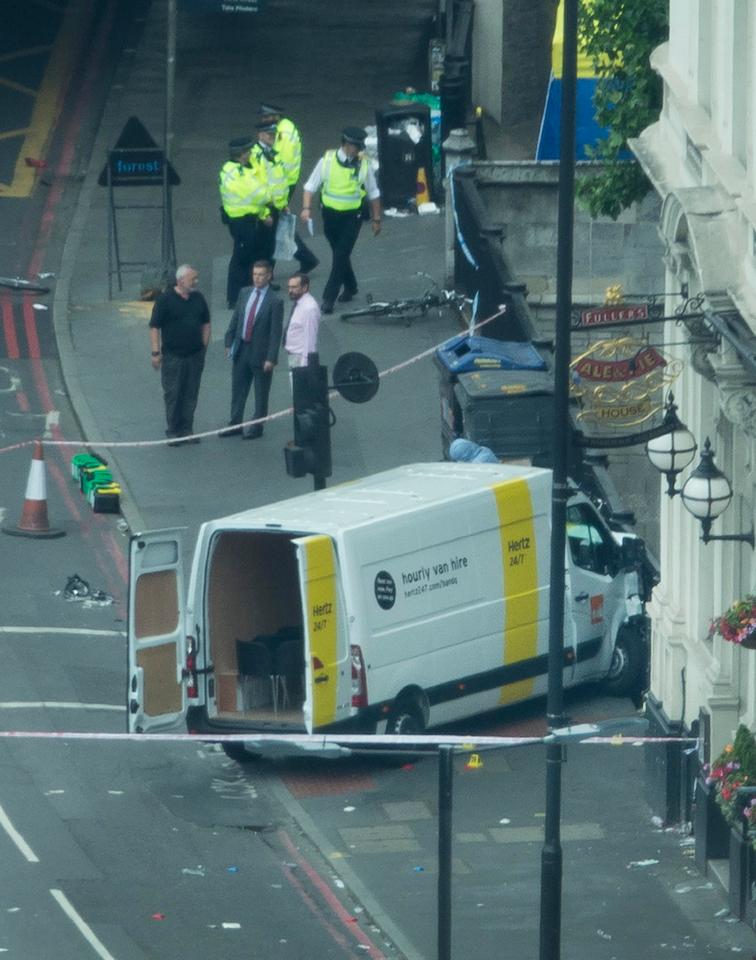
243	375
304	255
181	377
246	236
266	239
341	227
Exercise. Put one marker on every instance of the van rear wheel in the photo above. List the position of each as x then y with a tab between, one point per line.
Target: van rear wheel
405	724
236	751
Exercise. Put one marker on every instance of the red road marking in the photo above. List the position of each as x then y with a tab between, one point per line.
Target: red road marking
30	326
318	785
11	341
98	524
330	898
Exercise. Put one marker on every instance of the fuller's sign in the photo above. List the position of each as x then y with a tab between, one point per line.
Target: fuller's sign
618	315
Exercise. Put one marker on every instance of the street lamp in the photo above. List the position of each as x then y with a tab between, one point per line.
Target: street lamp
707	492
673	450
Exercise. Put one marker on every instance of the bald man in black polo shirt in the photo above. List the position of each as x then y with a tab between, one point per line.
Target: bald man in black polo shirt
179	335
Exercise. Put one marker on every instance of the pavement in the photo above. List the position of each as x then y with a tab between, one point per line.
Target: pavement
104	348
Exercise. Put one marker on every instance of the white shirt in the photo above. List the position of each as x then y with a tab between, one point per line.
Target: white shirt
302	332
315	180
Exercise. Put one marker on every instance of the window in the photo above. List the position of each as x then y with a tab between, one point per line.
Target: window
590	545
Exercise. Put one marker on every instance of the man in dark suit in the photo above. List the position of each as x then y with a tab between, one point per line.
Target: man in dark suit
252	341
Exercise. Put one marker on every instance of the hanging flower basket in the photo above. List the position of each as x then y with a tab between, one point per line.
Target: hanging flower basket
735	767
738	623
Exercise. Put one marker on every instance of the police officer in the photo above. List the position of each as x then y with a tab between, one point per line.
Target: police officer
244	206
288	147
268	168
348	194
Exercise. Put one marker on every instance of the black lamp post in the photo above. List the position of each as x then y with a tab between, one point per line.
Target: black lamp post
551	854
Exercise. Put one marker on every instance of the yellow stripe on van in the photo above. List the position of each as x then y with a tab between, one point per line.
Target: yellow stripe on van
322	627
519	558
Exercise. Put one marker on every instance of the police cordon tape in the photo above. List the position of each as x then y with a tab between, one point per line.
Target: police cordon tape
580	734
247	423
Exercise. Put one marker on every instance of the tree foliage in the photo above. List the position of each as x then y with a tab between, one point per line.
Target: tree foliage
619	35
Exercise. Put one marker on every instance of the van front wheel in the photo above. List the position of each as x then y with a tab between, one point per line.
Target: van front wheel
628	667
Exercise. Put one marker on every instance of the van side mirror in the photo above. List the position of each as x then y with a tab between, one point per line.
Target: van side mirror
632	552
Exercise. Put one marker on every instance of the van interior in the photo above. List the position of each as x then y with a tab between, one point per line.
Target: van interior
255	628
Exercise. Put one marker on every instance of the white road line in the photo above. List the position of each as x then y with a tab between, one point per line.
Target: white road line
81	925
71	631
16	837
56	705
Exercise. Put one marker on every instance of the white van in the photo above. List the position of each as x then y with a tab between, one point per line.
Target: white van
394	603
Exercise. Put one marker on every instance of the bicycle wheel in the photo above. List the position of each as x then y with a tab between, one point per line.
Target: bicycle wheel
376	309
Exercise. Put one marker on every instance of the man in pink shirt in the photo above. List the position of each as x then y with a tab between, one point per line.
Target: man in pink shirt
302	331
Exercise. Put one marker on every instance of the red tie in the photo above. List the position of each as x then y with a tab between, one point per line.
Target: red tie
250	321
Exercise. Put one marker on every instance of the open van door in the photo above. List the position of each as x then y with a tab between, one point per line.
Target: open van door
156	694
328	678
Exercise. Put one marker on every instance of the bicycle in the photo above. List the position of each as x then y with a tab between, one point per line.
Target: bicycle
413	308
17	283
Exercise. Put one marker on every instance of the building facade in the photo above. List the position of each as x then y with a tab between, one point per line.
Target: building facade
701	158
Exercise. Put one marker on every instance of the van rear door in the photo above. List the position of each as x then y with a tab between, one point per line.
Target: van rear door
156	695
328	679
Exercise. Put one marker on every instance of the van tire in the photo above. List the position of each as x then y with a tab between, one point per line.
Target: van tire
405	723
627	670
236	751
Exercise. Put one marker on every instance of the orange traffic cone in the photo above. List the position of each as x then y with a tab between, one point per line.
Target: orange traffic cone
34	522
422	194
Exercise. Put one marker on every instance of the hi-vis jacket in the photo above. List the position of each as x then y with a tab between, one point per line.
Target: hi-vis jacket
272	174
243	191
288	146
343	187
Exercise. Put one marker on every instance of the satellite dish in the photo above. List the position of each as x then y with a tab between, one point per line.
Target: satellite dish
356	378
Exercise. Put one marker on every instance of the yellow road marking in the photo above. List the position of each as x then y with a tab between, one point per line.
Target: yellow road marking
64	54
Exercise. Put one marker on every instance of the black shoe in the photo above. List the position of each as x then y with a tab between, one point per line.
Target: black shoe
306	264
232	430
252	434
326	307
347	296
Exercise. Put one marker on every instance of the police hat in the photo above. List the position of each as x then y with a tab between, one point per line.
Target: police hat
239	145
265	125
268	110
355	135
